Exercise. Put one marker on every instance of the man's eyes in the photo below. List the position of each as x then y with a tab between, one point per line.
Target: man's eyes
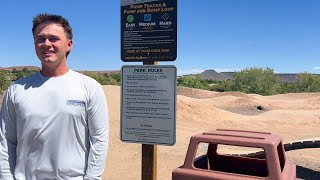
51	39
40	40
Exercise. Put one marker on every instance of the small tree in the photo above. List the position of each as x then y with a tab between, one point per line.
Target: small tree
288	87
14	70
116	76
25	70
222	86
2	80
20	74
308	83
193	82
94	76
4	84
257	80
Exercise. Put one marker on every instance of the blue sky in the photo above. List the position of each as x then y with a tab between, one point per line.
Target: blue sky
225	35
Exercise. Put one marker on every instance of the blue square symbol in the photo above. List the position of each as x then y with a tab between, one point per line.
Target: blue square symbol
147	17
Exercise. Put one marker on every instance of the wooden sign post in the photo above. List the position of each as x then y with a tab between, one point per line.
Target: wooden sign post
149	162
149	153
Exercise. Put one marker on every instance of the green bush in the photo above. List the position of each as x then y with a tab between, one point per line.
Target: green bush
222	86
22	73
257	80
308	83
105	79
193	82
116	76
4	83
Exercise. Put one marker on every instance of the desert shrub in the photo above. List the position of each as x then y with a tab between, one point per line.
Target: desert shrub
116	77
22	73
257	80
287	87
2	80
4	83
105	79
14	70
222	86
94	76
308	83
193	82
112	79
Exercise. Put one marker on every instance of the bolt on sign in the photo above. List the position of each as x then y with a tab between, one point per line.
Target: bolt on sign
148	30
148	104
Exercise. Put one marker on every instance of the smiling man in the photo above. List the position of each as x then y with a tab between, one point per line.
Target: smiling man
54	124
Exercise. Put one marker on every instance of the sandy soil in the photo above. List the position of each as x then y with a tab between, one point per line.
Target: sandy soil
292	116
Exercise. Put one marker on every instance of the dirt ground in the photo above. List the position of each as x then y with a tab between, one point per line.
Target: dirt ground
292	116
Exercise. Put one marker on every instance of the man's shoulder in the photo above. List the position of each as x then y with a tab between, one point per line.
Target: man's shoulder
89	84
84	78
25	80
23	83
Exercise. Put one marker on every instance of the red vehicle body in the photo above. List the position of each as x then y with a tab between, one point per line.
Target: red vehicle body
269	165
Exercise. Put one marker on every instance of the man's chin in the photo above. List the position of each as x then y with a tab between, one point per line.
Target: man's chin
49	61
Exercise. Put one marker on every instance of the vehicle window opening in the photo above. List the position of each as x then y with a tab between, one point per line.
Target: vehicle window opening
281	155
232	159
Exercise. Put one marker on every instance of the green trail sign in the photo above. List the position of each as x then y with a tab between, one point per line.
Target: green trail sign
148	30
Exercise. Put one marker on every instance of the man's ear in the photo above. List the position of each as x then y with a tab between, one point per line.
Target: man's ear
70	45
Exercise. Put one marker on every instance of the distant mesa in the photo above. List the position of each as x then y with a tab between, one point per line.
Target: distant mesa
212	74
223	76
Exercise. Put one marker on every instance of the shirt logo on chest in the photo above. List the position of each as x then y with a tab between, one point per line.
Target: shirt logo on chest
76	103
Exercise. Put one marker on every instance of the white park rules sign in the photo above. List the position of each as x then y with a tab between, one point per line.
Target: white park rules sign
148	104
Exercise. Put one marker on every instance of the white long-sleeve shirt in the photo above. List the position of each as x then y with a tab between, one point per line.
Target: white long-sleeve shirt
53	128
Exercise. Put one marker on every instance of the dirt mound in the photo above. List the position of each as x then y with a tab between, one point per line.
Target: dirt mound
236	94
204	94
199	111
239	105
294	96
195	93
292	102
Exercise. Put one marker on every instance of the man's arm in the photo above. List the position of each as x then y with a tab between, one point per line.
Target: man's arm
98	123
8	139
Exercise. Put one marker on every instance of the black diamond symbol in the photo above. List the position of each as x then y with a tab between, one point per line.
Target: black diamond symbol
165	16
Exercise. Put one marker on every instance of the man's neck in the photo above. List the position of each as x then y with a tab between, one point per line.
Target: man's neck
51	71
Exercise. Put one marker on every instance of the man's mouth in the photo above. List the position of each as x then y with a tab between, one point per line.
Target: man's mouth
47	52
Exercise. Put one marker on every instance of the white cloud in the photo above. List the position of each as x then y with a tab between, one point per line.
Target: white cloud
316	68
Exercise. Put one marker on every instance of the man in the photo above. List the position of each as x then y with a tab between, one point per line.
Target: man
54	124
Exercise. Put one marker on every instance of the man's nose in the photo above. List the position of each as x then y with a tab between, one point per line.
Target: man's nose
47	42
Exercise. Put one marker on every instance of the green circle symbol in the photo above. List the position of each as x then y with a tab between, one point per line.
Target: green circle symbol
130	18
